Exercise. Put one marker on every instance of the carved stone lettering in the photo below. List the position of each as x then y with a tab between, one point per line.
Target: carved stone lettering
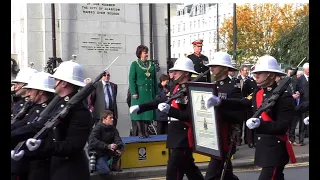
103	43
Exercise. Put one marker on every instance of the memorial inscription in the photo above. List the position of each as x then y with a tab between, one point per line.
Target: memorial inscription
101	9
103	43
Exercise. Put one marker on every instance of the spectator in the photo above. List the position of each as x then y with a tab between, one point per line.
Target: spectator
162	117
143	87
106	142
104	97
303	87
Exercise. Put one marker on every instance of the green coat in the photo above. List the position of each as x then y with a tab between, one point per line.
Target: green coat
145	87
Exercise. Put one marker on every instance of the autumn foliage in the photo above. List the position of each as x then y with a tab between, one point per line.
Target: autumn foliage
259	26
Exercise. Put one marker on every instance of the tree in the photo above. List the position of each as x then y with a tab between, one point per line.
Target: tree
293	46
259	26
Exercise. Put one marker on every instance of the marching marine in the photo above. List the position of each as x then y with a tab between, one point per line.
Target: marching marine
179	139
273	148
226	88
21	80
65	142
40	88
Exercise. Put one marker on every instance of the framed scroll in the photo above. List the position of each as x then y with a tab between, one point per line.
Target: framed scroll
205	124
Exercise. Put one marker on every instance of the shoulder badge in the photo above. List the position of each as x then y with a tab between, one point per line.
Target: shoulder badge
37	111
269	88
237	85
221	83
183	85
21	105
26	99
44	105
66	98
62	105
168	94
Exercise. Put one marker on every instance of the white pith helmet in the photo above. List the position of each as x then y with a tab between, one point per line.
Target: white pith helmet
222	59
70	72
268	64
24	75
41	81
184	64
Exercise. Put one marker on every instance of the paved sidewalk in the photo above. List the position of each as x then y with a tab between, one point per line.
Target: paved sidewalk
242	159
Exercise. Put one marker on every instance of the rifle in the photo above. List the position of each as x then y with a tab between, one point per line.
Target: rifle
184	90
266	105
22	112
76	99
294	73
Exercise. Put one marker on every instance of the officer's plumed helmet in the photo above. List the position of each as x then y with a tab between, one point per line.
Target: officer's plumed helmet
41	81
268	64
24	75
70	72
221	59
184	64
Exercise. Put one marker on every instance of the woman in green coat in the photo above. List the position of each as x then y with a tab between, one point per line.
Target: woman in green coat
143	87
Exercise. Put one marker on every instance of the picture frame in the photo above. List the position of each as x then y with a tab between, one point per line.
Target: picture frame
205	123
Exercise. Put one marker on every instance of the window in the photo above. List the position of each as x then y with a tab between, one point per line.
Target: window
190	25
178	27
179	56
184	27
199	23
174	56
172	29
178	43
184	42
202	35
173	44
190	39
198	36
195	23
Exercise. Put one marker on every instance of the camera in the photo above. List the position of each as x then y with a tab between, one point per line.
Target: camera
92	161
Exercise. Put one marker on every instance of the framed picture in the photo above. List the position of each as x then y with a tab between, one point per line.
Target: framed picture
205	124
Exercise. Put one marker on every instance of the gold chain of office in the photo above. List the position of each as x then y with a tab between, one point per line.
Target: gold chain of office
145	68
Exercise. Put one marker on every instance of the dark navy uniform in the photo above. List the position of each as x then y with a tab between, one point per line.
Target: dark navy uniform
249	86
38	169
272	151
64	144
20	168
200	66
18	106
179	138
226	88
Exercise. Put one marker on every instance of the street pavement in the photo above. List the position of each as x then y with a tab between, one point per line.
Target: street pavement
298	171
243	159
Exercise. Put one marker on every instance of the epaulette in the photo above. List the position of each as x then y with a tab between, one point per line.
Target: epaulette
250	96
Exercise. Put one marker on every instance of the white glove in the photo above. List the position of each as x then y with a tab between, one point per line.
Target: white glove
164	107
306	120
17	156
213	101
134	109
253	123
33	144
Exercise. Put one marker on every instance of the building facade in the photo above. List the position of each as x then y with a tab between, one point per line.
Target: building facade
198	21
97	33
